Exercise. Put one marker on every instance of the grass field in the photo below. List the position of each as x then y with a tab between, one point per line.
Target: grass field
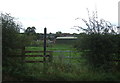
61	64
63	68
60	50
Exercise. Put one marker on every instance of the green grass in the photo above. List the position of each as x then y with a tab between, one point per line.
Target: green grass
63	69
59	66
56	47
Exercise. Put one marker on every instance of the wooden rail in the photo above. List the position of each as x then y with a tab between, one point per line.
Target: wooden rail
33	61
37	55
37	51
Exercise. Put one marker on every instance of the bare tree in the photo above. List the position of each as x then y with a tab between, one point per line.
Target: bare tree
94	25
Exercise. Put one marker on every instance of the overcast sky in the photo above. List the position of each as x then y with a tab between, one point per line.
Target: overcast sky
58	15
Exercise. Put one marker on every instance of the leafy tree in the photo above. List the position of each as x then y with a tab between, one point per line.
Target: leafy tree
58	34
98	49
38	36
10	29
12	41
30	30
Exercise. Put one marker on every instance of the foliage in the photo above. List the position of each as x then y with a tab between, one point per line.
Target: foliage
30	30
63	71
9	33
58	34
12	42
24	39
39	36
99	49
100	43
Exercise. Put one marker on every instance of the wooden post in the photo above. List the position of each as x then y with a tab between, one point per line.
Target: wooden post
44	58
45	30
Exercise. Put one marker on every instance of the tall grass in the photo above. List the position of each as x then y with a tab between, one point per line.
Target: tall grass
63	68
62	71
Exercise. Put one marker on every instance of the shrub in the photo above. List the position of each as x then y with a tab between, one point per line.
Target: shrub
99	49
11	42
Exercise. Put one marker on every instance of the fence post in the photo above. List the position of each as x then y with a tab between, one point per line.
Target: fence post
45	30
44	56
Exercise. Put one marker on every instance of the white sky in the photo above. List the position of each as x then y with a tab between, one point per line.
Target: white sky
58	15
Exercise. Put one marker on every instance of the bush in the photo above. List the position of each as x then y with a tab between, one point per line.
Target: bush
99	49
12	40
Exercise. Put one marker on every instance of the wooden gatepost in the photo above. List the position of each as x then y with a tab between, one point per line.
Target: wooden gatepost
45	31
45	52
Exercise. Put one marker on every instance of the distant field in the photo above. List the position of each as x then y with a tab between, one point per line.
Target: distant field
53	47
59	50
